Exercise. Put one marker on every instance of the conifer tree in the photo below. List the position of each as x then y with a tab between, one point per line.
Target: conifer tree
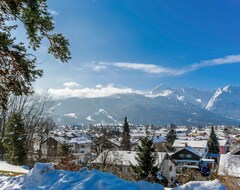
171	136
64	150
67	161
213	144
15	140
146	159
15	55
126	144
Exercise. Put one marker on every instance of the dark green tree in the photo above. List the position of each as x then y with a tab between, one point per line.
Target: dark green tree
213	144
126	143
18	67
15	140
171	136
146	159
65	150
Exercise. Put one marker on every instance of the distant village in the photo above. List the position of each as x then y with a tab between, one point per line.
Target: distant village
184	158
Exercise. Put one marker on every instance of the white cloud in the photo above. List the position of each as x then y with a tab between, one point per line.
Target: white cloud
157	69
97	66
230	59
71	84
99	86
52	12
99	91
147	68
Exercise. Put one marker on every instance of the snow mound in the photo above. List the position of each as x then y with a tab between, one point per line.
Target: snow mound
44	177
4	166
202	185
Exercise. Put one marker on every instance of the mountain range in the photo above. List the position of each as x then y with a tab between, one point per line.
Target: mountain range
160	106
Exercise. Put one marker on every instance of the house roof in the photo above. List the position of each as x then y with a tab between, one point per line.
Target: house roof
222	142
235	151
124	158
192	150
192	143
157	139
79	140
229	165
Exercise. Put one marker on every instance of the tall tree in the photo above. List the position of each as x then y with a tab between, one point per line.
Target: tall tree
18	67
213	144
146	159
126	143
171	136
15	140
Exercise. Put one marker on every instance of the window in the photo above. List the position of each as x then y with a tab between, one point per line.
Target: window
181	155
189	156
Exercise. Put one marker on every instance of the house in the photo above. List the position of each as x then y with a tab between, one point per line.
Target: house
187	157
223	146
199	145
124	159
51	146
158	142
80	146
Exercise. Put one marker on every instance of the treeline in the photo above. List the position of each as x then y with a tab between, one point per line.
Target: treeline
24	122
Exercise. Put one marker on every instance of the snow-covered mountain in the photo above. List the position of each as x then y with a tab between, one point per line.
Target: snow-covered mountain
226	102
103	117
162	105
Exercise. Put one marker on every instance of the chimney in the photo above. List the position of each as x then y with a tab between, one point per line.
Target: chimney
186	144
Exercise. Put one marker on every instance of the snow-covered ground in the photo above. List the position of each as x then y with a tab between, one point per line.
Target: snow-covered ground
4	166
44	177
202	185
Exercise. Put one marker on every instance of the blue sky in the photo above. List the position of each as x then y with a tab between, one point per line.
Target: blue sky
139	44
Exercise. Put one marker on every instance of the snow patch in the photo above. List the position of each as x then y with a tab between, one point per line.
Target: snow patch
202	185
73	115
180	98
199	100
214	99
4	166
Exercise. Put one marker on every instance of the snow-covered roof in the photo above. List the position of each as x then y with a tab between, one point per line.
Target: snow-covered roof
124	158
222	142
192	143
229	165
158	139
115	141
235	151
59	139
194	151
79	140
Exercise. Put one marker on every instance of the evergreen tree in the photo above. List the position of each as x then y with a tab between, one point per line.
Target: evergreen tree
213	144
15	140
146	158
126	144
171	136
67	161
64	150
15	57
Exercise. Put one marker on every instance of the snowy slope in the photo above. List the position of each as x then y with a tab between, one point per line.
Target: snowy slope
202	185
226	102
44	177
4	166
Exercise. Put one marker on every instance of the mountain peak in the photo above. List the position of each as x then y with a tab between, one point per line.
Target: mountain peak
162	89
